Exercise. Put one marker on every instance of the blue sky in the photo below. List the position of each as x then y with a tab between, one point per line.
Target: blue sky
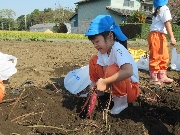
24	7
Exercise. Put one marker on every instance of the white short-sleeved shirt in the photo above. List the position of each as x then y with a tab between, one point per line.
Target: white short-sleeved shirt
119	55
159	20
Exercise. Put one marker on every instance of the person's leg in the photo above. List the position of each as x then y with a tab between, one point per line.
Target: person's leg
95	72
133	91
2	90
154	57
164	61
122	91
124	87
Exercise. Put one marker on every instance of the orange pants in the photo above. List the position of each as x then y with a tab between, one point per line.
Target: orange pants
118	88
159	55
2	89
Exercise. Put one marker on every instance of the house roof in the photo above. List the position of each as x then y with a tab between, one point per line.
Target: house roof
73	16
151	1
43	25
143	1
83	1
120	12
126	12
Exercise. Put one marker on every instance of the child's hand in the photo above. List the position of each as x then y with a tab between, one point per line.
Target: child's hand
101	85
173	41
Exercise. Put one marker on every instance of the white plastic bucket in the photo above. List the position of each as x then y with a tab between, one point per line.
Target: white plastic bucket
175	60
77	80
7	66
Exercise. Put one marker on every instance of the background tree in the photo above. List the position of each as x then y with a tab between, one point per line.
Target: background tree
62	28
1	19
48	10
76	8
137	17
7	18
62	14
174	6
48	15
21	22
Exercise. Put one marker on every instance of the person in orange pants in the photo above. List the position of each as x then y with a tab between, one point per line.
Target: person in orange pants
2	89
113	65
120	88
158	45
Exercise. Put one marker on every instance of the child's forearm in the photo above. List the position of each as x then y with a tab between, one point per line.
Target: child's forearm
169	29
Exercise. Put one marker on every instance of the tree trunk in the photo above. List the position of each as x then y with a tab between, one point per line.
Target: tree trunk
2	26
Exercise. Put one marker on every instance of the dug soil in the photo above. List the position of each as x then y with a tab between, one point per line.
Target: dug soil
37	103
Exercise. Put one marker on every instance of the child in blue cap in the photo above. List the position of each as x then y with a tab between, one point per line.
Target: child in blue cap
158	44
113	65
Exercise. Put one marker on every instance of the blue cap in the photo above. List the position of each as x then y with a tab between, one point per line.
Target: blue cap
158	3
105	23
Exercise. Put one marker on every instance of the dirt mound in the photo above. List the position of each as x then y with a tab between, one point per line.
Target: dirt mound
48	31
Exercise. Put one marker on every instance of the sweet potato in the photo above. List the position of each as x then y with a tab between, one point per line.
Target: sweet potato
92	103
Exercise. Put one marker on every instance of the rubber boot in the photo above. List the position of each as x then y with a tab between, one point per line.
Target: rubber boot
162	76
154	78
120	103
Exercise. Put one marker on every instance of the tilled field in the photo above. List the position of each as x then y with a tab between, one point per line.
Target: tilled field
44	107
